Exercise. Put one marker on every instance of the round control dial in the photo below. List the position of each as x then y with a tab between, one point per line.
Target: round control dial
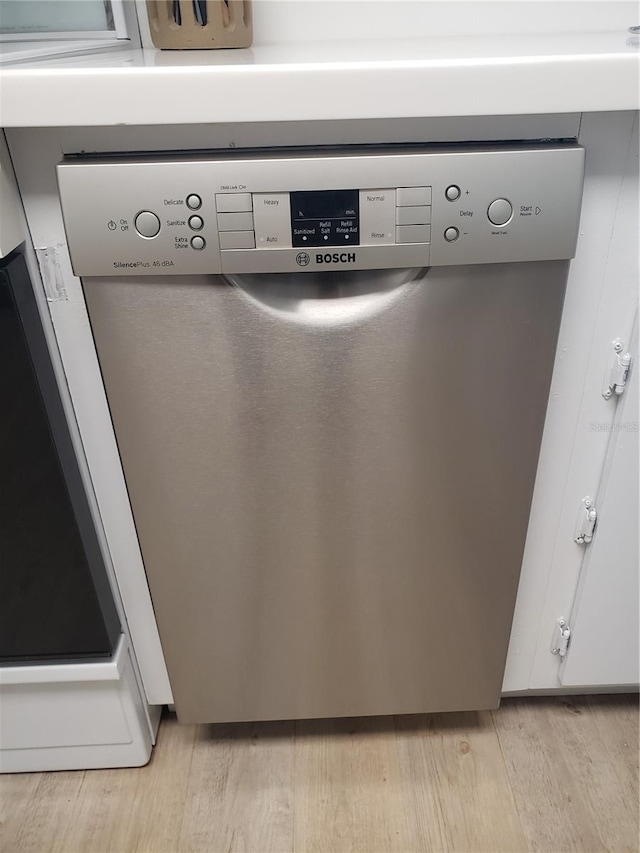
147	224
500	211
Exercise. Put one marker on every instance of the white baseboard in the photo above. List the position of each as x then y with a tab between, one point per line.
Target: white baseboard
74	716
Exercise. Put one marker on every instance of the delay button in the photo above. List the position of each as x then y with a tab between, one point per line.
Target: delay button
500	211
147	224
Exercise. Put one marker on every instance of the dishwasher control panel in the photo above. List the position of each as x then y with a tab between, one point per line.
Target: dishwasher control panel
292	212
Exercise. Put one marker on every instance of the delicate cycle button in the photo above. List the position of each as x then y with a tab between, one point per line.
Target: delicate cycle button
194	202
147	224
198	243
195	223
452	192
500	211
451	234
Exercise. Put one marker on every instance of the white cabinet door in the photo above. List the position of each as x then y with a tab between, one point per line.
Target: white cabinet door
605	629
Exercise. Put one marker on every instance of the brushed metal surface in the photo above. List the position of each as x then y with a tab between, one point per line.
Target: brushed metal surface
543	182
331	478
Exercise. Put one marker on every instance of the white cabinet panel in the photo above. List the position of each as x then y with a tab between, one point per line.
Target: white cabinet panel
605	643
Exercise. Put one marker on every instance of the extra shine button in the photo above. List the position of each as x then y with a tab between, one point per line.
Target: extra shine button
147	224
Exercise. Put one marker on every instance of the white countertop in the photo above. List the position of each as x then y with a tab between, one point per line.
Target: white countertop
471	75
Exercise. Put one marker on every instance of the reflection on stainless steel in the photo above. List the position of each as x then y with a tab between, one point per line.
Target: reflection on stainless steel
331	478
326	298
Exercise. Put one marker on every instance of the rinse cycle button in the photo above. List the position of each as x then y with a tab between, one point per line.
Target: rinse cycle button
500	211
147	224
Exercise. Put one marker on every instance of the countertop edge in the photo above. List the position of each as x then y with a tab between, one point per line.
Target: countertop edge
50	96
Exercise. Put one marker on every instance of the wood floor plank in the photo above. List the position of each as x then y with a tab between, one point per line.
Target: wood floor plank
240	790
156	818
456	785
603	780
616	718
49	812
101	812
375	785
558	769
16	793
348	788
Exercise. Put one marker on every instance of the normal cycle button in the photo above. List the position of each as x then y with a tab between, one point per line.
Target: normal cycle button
500	211
147	224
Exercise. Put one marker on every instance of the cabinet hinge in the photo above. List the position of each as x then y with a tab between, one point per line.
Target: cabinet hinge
586	524
561	638
616	376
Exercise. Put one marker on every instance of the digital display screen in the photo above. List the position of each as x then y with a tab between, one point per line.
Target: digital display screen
325	218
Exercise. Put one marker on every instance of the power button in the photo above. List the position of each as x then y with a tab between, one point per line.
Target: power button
147	224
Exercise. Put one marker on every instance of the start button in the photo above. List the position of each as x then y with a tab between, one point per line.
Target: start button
500	211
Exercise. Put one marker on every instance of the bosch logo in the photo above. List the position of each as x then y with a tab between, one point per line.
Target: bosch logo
302	259
336	258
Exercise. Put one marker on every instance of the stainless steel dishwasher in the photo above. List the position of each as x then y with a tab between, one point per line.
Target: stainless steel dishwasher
328	374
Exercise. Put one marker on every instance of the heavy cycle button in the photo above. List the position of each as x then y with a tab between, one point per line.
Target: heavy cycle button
147	224
500	211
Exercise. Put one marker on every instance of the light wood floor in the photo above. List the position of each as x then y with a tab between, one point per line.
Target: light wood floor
553	774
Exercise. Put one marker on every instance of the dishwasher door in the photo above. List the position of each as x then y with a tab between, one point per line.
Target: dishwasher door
331	476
